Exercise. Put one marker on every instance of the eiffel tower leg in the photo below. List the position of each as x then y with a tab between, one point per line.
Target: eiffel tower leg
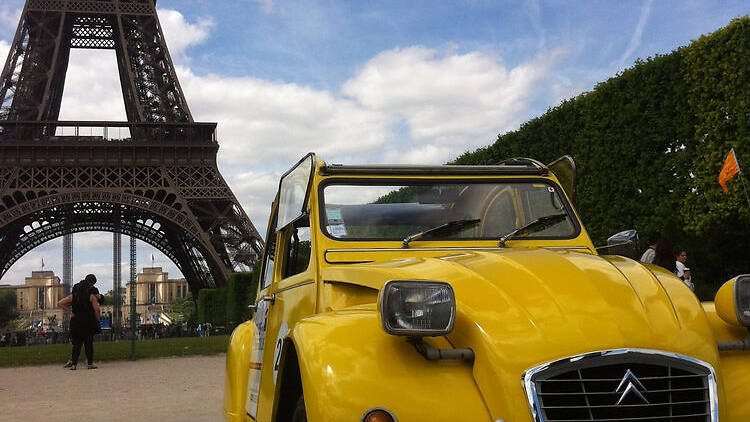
40	50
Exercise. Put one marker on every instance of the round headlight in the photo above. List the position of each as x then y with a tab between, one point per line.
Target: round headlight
417	308
733	301
378	415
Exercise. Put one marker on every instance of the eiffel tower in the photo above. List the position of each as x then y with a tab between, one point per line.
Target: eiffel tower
153	177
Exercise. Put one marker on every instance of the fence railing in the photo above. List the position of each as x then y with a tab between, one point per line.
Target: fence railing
124	132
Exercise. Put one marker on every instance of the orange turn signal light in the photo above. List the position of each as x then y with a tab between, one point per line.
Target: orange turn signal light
378	415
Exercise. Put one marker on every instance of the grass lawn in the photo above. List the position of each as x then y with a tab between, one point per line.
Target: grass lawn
59	353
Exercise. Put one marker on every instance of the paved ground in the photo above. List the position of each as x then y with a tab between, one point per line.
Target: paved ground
183	389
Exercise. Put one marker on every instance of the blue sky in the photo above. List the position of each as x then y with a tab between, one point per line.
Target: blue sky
366	82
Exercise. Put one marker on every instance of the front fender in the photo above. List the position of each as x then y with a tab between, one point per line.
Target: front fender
349	365
238	367
735	367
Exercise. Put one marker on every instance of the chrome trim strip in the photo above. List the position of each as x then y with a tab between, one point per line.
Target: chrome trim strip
400	169
450	248
533	398
293	287
367	412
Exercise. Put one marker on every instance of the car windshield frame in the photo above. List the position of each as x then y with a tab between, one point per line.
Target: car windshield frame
411	181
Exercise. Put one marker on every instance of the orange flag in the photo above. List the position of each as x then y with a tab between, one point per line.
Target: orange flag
730	169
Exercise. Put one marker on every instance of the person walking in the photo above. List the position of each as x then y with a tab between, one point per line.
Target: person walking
84	323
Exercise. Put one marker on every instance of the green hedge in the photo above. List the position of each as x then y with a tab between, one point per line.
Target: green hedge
227	306
649	144
212	305
240	292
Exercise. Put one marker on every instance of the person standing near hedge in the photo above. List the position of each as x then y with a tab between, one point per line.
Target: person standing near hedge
85	320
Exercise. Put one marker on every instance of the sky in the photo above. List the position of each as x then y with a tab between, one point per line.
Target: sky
365	82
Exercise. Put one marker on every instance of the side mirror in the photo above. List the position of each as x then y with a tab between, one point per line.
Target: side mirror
564	168
624	243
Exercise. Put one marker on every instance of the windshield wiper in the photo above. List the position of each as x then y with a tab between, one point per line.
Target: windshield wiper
451	226
540	223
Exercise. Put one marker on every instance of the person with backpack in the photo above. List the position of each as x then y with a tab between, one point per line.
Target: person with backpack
84	303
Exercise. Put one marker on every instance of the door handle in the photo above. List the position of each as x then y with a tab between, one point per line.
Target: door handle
270	298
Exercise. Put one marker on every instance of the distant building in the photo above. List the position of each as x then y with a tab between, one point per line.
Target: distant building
37	298
154	291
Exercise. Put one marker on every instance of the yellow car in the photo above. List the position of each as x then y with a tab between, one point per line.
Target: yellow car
471	293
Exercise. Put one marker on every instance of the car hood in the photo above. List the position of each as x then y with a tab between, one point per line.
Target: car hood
521	307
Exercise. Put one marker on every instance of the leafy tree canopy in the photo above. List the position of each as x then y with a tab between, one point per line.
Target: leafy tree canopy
182	309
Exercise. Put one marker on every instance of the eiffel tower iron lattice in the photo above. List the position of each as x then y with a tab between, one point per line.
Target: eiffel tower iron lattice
154	177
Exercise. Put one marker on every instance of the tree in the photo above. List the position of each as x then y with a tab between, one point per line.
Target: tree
8	311
182	309
108	298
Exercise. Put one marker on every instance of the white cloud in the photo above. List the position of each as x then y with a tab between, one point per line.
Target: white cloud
4	50
92	87
255	191
95	241
448	99
181	34
401	102
261	121
32	261
430	154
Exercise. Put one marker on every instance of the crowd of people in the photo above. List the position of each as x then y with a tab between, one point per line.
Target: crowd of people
204	329
661	252
35	335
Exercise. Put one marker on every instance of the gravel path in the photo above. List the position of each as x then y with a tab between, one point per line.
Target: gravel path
184	389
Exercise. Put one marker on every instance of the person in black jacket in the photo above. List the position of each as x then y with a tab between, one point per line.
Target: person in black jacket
84	323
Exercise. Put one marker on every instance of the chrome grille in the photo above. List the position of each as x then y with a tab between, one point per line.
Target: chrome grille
623	385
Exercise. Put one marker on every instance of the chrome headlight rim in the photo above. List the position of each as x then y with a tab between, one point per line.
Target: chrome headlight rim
741	281
382	409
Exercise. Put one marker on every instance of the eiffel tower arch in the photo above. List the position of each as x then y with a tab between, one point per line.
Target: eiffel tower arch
154	177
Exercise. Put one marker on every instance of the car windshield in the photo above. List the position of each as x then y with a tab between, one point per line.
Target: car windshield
374	210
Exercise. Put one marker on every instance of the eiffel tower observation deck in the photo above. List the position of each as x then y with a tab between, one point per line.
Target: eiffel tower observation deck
153	177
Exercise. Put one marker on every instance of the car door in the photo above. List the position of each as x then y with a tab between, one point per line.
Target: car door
260	318
292	291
